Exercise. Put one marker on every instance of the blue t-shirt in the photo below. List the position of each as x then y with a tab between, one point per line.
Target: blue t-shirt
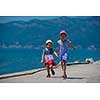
63	46
48	51
48	54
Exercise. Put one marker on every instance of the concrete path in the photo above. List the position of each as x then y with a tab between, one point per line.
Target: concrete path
85	73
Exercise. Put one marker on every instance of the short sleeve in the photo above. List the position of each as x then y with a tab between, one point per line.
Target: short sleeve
44	51
58	42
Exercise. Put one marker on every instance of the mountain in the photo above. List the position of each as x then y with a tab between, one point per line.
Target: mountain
84	31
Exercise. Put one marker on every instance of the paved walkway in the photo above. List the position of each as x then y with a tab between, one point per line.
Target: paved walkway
76	74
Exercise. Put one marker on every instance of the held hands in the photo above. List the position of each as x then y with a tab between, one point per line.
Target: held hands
58	54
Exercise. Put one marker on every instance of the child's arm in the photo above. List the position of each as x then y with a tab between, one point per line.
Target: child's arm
43	58
58	49
71	45
55	54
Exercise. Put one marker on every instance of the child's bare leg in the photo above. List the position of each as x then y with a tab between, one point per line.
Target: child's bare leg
52	71
48	71
63	64
64	68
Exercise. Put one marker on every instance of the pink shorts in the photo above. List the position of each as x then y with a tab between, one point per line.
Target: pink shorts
50	62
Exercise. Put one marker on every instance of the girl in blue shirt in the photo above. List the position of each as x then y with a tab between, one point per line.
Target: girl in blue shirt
63	45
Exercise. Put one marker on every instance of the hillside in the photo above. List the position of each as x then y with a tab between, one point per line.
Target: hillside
83	31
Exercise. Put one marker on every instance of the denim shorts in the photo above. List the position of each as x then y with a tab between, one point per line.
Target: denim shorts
64	57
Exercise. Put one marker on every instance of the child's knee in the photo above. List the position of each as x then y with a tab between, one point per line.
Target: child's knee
63	62
47	67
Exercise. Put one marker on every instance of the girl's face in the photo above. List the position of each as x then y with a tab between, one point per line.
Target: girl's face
63	37
49	45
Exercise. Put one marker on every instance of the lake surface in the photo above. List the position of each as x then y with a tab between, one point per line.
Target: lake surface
16	60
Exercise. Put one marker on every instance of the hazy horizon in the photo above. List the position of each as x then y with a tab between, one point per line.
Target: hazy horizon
5	19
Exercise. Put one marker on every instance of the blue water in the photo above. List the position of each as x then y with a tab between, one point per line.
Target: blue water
16	60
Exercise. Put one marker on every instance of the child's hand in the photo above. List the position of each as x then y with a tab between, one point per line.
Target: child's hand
74	48
42	61
56	54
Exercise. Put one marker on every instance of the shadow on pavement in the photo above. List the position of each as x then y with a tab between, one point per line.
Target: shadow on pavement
68	77
75	78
